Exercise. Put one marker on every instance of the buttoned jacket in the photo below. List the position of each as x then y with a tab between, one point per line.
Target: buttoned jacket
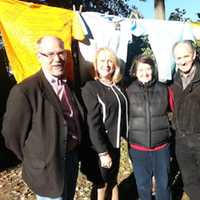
105	115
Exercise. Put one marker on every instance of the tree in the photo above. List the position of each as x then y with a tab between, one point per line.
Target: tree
179	15
117	7
198	14
159	8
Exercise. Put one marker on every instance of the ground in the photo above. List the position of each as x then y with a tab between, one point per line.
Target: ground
12	186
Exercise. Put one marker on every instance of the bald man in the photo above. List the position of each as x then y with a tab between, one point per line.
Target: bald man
186	89
42	125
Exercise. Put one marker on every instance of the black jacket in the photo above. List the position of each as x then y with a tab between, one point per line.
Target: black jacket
187	105
148	119
35	129
104	114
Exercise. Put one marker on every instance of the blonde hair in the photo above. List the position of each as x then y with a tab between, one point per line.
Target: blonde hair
117	76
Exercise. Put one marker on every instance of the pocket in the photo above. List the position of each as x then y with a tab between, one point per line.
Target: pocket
34	162
35	173
38	164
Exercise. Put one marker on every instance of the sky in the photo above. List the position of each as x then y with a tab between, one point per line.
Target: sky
147	8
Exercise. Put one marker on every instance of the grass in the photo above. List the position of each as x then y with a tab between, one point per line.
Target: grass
12	186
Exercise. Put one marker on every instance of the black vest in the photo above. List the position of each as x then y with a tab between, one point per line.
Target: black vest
148	118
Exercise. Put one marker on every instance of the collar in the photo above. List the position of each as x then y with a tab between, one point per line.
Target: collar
52	79
106	84
148	84
189	75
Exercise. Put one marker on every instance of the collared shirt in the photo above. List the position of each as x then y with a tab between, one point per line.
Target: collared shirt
62	91
52	80
187	78
73	122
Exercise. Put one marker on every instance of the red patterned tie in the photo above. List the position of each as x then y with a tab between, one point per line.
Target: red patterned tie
62	94
70	113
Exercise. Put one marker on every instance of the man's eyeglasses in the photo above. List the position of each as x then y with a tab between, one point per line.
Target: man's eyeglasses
53	54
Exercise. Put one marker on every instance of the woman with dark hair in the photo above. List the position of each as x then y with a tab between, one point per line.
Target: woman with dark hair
107	116
149	130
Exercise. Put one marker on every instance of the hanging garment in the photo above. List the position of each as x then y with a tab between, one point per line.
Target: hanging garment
103	30
196	29
162	35
22	24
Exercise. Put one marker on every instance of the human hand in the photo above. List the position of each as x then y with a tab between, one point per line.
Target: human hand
106	161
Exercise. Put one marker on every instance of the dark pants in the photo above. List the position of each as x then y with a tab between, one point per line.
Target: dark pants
188	156
71	174
145	165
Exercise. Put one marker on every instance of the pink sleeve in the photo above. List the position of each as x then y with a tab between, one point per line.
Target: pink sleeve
171	98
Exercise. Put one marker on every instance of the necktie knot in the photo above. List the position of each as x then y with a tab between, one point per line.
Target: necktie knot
60	82
58	86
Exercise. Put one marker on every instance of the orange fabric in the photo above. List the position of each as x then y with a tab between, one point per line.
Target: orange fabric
22	24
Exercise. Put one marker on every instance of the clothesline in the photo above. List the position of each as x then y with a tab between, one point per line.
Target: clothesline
21	24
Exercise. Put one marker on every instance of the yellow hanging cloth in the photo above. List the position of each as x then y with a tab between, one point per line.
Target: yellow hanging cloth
22	24
196	29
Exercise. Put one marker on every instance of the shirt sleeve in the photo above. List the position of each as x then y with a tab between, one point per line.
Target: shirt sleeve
171	98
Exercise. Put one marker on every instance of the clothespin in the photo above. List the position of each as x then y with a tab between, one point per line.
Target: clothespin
74	7
133	15
117	26
80	8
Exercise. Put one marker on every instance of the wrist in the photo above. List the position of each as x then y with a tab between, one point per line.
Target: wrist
103	154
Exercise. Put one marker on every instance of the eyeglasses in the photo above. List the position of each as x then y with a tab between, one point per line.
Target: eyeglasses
52	55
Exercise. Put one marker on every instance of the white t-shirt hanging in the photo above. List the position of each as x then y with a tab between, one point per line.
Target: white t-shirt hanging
162	36
103	30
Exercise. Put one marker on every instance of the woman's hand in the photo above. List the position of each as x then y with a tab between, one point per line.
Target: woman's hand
105	160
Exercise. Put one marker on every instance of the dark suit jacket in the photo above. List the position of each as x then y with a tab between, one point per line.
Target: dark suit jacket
35	130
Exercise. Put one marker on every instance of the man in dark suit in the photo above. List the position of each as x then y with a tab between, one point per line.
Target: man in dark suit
42	125
186	89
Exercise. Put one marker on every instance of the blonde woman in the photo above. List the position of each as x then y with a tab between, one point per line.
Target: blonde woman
106	105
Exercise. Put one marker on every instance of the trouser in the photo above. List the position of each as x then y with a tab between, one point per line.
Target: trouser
152	163
71	174
47	198
188	156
